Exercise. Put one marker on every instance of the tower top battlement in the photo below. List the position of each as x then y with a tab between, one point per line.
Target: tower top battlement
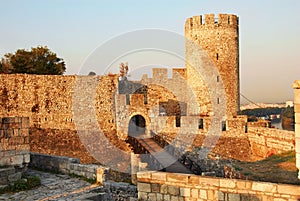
211	20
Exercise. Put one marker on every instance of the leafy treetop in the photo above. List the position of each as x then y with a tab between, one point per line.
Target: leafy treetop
39	60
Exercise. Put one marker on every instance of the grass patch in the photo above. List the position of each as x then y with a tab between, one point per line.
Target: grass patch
27	182
278	168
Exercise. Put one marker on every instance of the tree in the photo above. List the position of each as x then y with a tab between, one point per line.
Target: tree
39	60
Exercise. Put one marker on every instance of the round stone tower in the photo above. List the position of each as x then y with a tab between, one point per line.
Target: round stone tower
219	38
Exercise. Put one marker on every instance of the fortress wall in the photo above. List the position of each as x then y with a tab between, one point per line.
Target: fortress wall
267	141
48	101
174	186
219	38
14	141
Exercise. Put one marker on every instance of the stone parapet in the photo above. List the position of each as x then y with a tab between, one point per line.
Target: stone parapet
156	186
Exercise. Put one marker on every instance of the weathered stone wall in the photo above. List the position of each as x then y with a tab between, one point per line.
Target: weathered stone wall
68	165
267	141
48	101
169	186
14	141
59	142
296	87
14	148
219	38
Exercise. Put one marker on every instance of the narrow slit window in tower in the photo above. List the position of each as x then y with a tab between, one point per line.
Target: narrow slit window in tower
217	56
201	126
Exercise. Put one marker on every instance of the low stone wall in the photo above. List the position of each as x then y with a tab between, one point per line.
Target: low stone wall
120	191
14	149
157	186
68	165
267	141
14	141
8	175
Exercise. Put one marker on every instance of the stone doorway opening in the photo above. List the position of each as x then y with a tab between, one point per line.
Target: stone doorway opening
137	126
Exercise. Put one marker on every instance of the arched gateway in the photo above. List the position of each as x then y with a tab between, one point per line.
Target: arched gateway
137	126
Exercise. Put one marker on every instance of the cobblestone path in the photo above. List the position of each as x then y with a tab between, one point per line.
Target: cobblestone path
56	187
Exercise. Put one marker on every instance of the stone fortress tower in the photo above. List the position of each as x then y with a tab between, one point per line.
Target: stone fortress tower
219	38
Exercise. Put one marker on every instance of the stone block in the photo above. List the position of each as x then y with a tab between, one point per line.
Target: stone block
159	176
264	187
234	197
228	183
211	195
186	192
244	184
152	196
167	197
221	196
209	181
203	194
177	178
144	187
27	158
159	197
193	180
142	196
194	193
173	190
174	198
288	189
155	188
164	189
144	175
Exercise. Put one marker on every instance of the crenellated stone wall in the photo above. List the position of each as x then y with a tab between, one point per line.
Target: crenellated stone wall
296	86
218	38
154	186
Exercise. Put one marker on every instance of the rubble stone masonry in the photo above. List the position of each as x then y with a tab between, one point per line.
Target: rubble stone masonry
14	141
218	36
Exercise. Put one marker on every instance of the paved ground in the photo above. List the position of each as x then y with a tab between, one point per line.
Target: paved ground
56	187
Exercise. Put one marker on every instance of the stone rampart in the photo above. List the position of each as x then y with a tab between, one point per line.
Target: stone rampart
171	186
267	141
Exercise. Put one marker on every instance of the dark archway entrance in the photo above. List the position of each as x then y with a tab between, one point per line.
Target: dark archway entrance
137	126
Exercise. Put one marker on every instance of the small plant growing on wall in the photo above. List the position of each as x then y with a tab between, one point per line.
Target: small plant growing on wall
123	71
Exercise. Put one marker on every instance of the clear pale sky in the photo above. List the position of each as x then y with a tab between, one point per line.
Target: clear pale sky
269	33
